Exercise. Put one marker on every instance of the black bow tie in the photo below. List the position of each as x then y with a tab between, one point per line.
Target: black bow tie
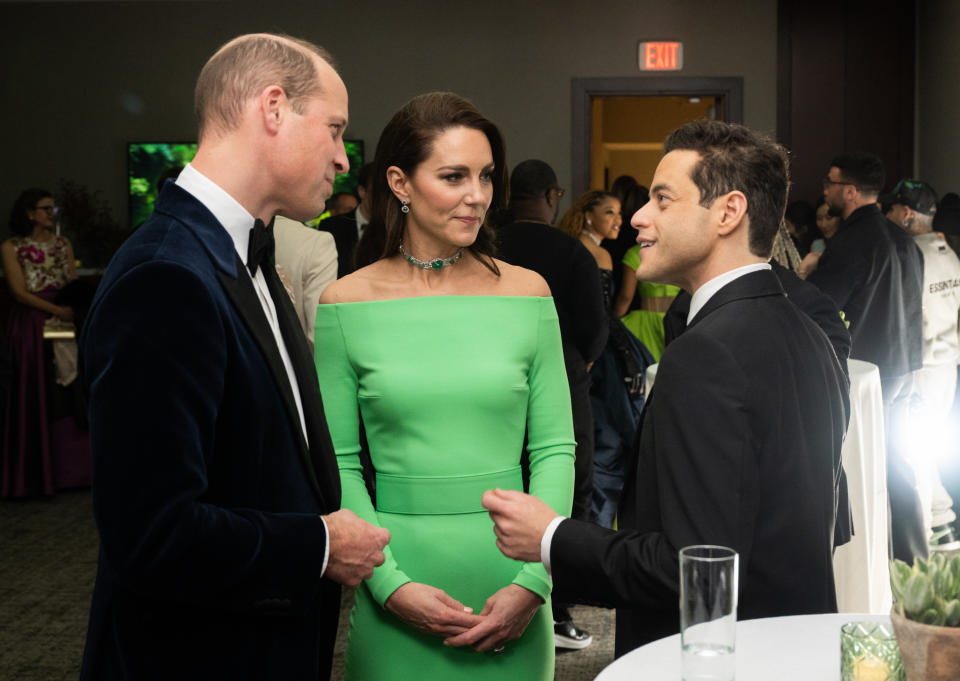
260	248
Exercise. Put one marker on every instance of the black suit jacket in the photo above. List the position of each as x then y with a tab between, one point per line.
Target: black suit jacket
206	495
876	279
818	306
343	227
574	280
740	446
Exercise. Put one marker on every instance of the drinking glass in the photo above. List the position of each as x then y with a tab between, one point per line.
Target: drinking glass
708	612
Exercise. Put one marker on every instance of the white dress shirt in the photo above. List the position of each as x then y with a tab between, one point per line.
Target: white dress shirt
238	223
705	292
697	301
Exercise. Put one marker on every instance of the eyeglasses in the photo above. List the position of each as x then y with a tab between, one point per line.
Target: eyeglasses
558	190
50	210
827	182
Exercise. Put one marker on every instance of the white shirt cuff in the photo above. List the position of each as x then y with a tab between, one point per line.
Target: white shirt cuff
545	542
326	546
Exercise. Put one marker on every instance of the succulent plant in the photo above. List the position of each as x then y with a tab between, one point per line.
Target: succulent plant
929	592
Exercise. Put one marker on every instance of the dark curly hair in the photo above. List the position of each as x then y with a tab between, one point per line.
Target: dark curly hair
573	220
405	143
19	222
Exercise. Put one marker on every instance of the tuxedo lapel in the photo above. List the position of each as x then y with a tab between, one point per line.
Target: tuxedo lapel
241	292
323	465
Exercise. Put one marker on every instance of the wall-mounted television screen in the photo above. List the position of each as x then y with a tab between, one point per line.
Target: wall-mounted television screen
148	162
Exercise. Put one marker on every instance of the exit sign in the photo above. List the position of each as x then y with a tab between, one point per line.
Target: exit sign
665	56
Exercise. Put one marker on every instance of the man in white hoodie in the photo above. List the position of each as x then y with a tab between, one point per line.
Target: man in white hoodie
913	207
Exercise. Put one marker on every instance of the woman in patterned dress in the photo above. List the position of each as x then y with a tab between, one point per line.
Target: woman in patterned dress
36	263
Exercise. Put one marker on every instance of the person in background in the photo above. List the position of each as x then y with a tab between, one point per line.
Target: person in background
348	227
628	193
307	258
946	221
801	224
593	217
616	390
827	225
626	239
870	274
526	238
341	203
913	206
622	186
646	323
37	263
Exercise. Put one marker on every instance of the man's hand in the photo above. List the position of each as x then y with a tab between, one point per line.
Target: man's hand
431	610
506	615
356	547
519	522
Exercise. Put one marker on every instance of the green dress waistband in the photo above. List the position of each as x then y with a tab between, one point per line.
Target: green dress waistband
441	495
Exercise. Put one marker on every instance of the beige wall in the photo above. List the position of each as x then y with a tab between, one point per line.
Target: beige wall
938	95
627	133
80	79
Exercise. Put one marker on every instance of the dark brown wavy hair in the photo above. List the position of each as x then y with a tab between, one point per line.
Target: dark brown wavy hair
405	143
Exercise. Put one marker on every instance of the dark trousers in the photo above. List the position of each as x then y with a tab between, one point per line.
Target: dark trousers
908	534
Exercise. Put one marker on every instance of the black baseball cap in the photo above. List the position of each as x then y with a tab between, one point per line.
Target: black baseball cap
916	195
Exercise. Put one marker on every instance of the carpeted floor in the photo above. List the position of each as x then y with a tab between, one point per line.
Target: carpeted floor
48	559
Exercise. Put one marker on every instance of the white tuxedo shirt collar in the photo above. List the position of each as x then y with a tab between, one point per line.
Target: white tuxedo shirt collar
707	291
226	209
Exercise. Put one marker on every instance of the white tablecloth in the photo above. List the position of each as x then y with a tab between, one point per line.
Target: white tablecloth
801	648
860	567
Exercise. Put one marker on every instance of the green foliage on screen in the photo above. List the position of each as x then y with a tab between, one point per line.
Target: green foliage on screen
147	162
347	182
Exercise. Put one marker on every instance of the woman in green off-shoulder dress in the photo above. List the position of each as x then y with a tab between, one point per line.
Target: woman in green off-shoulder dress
450	358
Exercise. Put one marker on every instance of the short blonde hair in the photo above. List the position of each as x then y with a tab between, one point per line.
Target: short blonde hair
243	67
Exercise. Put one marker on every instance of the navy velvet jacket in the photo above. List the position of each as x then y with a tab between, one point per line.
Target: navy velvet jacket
205	493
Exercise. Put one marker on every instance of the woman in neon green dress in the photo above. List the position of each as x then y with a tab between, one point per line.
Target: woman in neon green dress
647	322
449	357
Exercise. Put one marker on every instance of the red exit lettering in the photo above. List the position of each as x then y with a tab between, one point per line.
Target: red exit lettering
661	56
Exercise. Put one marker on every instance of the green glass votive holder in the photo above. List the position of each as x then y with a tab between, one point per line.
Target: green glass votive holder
869	652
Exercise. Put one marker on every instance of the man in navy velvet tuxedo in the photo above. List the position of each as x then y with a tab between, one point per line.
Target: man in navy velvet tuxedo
216	491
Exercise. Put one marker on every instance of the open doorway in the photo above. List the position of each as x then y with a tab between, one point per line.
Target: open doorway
623	121
627	133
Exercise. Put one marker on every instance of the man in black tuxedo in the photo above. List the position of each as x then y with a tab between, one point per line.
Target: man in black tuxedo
740	442
215	484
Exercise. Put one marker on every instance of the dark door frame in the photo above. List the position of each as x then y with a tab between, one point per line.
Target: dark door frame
727	90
